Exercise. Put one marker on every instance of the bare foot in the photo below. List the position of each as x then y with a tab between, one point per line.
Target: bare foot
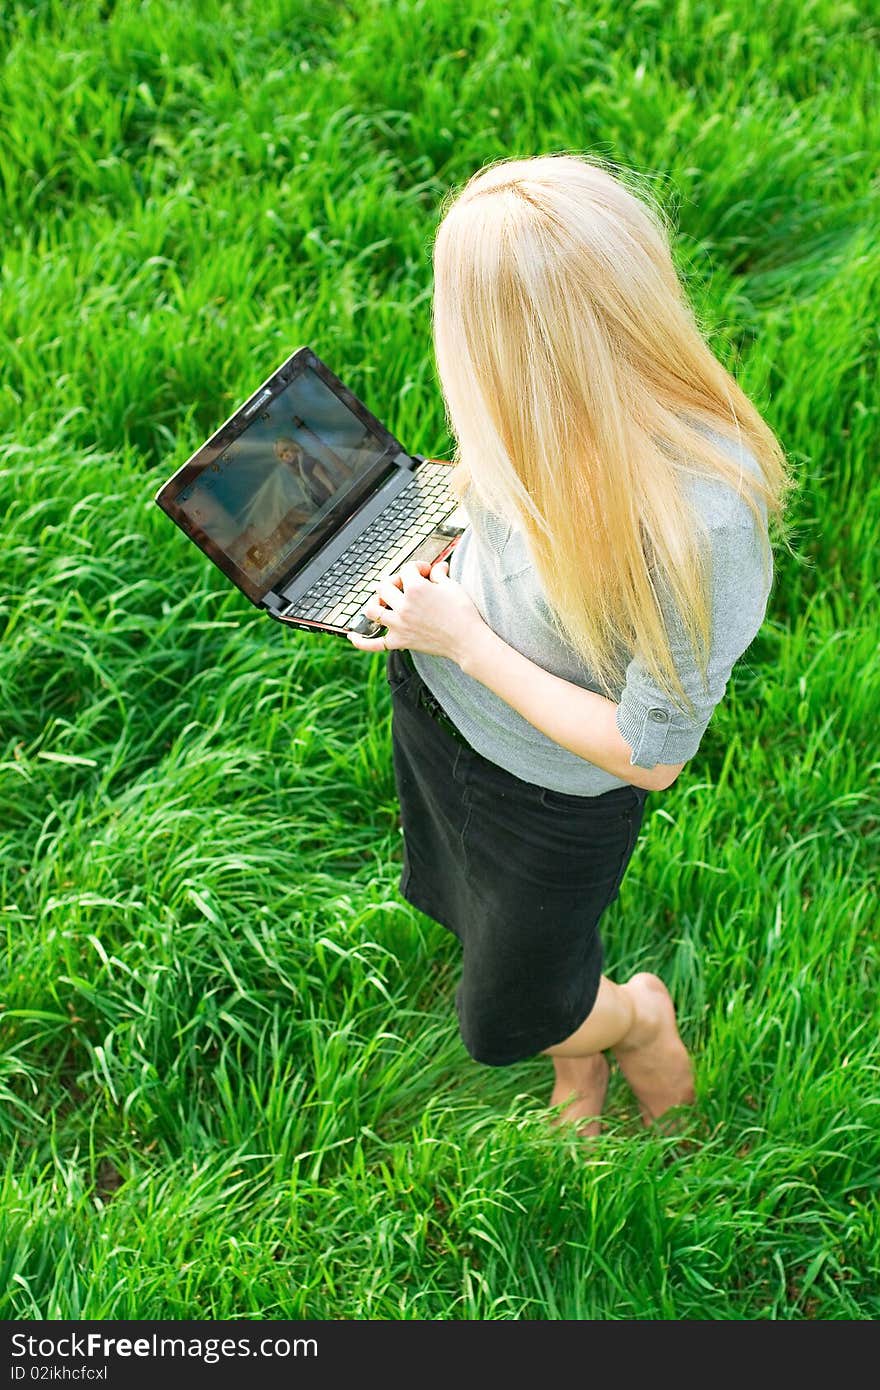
652	1056
583	1081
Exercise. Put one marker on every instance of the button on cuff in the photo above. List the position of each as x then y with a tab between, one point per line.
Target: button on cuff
645	729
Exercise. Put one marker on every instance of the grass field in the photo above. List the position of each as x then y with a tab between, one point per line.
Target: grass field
231	1075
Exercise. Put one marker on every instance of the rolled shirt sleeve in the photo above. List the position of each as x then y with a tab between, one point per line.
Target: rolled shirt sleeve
657	730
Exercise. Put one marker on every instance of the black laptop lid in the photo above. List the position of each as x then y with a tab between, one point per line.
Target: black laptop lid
281	476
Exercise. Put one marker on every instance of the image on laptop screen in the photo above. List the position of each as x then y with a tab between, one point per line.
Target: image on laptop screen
274	484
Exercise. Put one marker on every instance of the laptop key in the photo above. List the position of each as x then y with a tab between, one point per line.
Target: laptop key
393	565
337	615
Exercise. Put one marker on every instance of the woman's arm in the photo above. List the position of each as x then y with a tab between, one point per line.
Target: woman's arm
580	720
320	472
438	617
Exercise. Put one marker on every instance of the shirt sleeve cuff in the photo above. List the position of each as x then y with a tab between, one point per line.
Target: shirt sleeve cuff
645	728
653	735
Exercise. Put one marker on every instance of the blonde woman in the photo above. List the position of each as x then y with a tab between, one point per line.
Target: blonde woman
565	662
310	470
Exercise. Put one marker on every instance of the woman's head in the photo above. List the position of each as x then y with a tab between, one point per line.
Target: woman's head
578	387
554	291
287	449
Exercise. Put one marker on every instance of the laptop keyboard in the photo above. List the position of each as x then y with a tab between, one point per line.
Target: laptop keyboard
380	550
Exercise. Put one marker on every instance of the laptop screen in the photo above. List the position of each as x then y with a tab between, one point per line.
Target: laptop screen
265	498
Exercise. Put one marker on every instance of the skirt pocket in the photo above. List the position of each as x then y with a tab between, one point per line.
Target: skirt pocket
617	799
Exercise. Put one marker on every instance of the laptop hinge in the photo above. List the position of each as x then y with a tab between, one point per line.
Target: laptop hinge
409	461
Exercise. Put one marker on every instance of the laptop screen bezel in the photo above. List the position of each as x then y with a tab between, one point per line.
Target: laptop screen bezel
278	381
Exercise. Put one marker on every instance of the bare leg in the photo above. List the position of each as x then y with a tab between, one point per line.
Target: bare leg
636	1022
583	1082
652	1056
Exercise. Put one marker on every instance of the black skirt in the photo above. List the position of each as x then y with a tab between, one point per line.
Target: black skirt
520	873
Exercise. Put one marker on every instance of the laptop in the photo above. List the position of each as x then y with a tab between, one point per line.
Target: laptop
306	501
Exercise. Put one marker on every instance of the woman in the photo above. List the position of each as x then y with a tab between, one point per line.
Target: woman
567	659
319	480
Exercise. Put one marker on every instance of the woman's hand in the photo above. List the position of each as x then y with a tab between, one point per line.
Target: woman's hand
423	609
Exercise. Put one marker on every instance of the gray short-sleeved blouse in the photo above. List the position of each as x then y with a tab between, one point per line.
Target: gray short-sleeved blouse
492	564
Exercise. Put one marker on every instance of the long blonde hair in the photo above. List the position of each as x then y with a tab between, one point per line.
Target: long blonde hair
578	389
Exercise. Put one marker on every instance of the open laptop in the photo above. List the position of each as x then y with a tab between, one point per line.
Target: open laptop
306	501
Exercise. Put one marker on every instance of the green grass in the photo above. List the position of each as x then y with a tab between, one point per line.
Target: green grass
232	1080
